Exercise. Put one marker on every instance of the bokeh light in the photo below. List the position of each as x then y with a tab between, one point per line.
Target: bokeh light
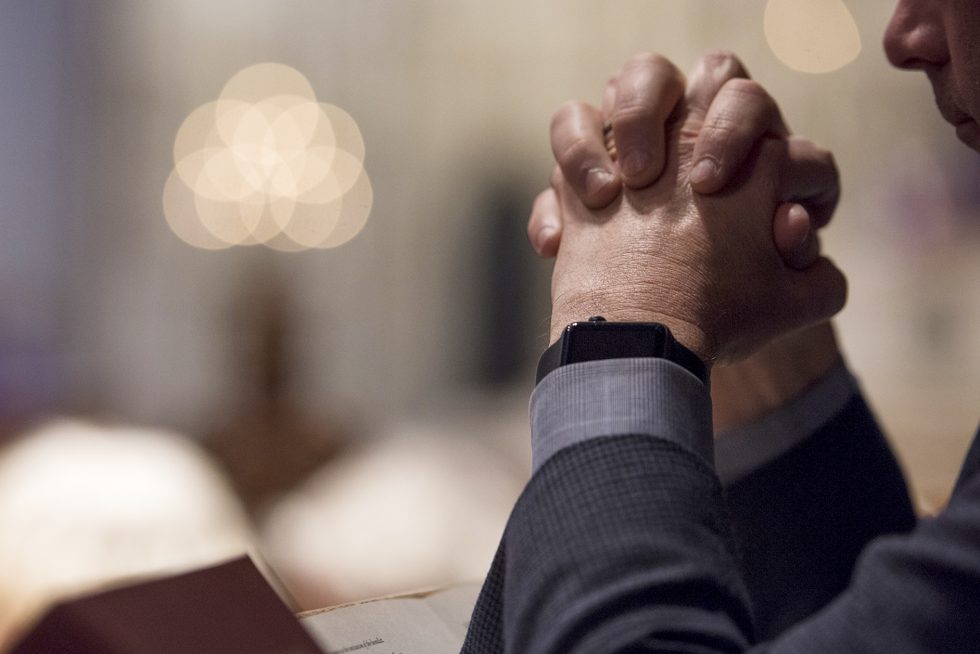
812	36
267	164
86	505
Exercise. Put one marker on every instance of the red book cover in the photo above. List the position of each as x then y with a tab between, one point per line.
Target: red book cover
228	608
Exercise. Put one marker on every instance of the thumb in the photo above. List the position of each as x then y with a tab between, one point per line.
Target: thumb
795	236
545	224
817	292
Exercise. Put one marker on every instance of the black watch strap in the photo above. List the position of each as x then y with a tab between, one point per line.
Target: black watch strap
598	339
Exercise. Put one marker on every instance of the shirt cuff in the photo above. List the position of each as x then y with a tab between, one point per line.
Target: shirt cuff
742	450
614	397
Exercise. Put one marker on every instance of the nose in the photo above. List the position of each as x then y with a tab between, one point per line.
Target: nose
915	37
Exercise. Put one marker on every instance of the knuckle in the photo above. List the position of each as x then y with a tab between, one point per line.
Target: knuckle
726	60
568	112
647	65
574	154
747	102
650	59
631	112
723	133
750	90
649	86
724	122
718	56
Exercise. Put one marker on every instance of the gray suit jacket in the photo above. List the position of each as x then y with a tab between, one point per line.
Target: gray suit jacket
629	544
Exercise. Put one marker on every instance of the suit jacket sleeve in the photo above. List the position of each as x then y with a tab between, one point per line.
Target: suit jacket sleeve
802	520
623	544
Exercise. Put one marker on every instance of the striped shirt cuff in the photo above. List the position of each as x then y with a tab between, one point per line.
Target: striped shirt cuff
740	451
613	397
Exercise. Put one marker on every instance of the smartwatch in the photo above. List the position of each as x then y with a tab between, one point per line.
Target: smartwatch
598	339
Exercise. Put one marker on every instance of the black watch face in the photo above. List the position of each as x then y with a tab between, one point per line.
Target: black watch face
591	341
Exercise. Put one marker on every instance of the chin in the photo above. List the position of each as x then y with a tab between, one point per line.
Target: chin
968	132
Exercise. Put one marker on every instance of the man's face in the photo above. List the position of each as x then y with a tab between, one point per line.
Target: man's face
942	38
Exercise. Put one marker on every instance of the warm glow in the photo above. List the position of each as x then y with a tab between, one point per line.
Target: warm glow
85	505
267	164
812	36
418	508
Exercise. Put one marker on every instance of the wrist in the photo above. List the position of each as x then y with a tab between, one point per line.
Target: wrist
746	391
684	332
597	339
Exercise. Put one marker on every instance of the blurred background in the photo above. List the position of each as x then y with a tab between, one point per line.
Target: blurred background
358	414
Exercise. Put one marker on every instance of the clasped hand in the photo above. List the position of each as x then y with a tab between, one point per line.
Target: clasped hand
723	252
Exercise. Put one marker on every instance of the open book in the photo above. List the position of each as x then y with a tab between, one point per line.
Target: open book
230	608
421	623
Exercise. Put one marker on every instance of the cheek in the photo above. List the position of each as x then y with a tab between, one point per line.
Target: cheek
968	85
964	49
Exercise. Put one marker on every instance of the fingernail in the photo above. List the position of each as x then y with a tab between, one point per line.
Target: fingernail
635	163
596	180
703	171
800	214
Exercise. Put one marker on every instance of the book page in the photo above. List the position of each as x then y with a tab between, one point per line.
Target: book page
433	623
454	606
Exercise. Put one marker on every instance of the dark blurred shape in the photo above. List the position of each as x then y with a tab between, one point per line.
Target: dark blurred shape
270	444
510	308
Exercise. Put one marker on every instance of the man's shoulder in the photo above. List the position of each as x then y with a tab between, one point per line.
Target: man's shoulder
971	464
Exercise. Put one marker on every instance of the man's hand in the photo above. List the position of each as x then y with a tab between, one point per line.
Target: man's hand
704	265
738	113
746	391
